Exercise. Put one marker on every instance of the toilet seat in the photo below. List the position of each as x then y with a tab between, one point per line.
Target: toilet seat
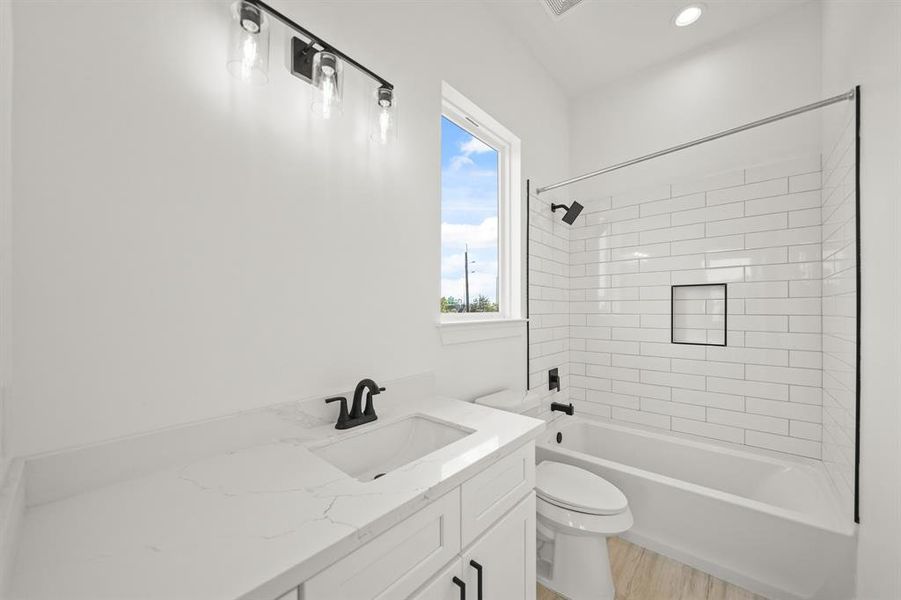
582	524
573	489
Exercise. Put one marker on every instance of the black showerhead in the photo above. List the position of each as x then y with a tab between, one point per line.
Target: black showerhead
572	211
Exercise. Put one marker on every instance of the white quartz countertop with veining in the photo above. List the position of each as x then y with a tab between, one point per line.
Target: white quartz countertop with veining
247	523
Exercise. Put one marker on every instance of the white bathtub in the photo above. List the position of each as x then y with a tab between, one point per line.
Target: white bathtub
766	524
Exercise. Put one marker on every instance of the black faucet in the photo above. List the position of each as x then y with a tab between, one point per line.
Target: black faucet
566	408
357	415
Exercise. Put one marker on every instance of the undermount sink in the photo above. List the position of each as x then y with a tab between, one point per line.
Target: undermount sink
369	454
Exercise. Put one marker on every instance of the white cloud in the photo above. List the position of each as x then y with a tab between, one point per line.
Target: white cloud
474	146
460	161
457	235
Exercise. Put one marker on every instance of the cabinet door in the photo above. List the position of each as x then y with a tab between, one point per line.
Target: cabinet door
399	561
506	554
443	586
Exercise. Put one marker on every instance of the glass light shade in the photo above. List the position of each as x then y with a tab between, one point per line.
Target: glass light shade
248	58
328	85
689	15
383	116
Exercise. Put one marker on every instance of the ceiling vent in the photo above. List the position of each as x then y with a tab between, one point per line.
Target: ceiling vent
556	8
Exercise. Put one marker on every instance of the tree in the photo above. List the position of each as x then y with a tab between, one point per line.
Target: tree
482	304
449	304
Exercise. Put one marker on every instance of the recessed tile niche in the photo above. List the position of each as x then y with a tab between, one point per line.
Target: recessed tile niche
699	314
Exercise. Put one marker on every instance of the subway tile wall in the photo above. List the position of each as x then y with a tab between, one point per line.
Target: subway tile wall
840	311
756	229
548	297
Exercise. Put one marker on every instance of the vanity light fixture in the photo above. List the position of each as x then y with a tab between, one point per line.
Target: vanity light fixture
312	59
688	15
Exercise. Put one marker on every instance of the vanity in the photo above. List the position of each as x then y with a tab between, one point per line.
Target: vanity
434	500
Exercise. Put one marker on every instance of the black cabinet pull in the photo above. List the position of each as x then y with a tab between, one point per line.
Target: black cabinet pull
478	569
462	585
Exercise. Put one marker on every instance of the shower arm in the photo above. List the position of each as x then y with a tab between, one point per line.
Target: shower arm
846	97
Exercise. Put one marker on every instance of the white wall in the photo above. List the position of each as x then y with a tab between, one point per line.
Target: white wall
6	64
766	69
862	45
186	246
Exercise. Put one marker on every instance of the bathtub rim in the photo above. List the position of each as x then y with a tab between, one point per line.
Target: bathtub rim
836	525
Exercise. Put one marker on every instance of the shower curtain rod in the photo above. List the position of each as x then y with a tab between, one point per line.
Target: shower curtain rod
847	96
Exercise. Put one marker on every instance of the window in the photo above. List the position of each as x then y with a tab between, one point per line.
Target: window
480	215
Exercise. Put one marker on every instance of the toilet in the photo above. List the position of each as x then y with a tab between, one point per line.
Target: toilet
576	512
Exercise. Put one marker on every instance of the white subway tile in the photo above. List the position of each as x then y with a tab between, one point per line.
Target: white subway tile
680	380
673	205
786	410
789	341
779	204
672	350
641	362
672	263
784	237
720	244
643	224
709	430
805	253
612	399
748	421
759	289
725	401
804	218
613	373
738	258
786	272
747	225
803	183
748	356
783	444
793	306
792	375
676	409
633	252
775	323
705	367
670	234
805	395
708	214
641	389
805	323
642	418
805	359
807	431
760	389
805	289
776	187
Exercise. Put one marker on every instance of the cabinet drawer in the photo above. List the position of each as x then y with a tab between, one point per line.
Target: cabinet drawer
490	494
398	561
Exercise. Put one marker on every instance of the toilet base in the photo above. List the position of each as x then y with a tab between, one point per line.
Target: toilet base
581	568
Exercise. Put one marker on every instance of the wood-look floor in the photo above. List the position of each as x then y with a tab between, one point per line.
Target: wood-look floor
640	574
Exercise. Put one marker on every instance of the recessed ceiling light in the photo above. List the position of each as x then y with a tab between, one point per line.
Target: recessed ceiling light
688	15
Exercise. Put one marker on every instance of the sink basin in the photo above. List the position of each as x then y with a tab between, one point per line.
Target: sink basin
374	452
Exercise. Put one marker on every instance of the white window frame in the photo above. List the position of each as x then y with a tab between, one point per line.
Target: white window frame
468	116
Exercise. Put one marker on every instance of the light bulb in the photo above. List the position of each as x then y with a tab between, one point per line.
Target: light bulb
249	51
328	85
384	118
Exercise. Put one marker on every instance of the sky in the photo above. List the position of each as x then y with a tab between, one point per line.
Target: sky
468	212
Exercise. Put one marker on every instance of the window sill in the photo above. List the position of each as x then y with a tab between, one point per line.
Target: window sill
462	332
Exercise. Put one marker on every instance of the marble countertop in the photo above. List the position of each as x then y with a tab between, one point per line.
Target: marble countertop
247	523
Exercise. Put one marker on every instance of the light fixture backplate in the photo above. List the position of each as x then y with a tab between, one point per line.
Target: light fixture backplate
302	54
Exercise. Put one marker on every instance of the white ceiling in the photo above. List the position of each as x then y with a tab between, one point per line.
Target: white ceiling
599	41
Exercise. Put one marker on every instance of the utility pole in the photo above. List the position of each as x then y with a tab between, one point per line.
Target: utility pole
466	262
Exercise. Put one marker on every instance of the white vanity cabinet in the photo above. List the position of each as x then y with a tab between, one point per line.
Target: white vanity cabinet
489	520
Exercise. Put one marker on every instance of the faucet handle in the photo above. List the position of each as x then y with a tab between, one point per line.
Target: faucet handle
343	417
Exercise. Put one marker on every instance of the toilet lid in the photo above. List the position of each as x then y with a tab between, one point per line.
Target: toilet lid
577	489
